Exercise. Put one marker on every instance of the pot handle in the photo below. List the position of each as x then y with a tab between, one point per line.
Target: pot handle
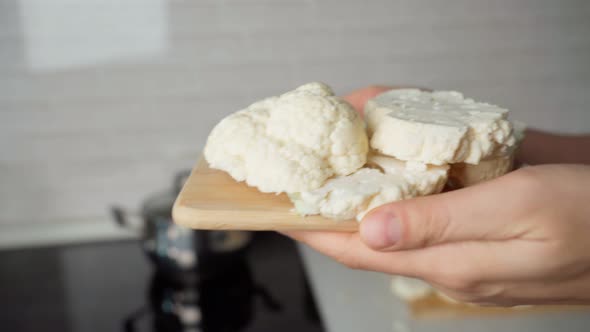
121	218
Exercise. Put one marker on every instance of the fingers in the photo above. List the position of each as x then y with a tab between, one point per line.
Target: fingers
409	224
458	266
359	98
349	250
482	212
543	148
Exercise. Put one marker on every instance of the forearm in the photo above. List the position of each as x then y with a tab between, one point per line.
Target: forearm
544	148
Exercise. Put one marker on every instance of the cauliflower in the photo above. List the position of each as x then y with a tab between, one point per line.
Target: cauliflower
351	196
426	179
290	143
440	127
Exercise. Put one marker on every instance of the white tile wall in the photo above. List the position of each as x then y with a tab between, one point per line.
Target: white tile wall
79	131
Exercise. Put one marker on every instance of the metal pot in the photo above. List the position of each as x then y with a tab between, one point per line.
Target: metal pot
202	281
177	251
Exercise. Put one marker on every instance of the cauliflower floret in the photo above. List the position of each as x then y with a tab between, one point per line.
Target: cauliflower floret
290	143
426	179
351	196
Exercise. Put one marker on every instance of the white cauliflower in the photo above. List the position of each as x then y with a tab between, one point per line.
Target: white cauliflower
290	143
440	127
352	196
426	179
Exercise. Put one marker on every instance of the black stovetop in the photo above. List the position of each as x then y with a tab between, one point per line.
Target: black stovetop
99	287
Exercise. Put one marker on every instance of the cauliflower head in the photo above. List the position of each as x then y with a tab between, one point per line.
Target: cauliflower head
290	143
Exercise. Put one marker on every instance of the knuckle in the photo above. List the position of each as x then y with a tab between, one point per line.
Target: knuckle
425	225
438	221
348	256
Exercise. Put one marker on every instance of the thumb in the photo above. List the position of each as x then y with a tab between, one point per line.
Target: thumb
484	212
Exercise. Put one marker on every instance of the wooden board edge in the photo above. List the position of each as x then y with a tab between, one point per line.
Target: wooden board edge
196	218
434	307
249	221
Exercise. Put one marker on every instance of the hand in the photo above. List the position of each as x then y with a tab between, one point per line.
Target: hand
523	238
542	148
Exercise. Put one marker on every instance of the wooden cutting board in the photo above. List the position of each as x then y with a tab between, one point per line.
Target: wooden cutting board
434	307
211	199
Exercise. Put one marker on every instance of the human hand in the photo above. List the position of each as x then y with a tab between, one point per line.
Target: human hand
519	239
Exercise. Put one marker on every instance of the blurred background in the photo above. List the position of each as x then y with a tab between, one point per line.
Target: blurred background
104	102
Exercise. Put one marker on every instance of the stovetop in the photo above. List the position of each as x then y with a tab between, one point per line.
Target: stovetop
112	287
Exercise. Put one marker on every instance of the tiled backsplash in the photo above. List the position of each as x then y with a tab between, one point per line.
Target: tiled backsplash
102	101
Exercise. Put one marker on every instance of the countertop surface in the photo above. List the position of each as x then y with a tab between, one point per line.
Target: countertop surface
352	301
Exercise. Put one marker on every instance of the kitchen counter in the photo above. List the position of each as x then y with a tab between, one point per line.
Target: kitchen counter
352	301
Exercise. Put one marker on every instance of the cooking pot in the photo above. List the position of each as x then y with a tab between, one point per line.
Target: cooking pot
177	251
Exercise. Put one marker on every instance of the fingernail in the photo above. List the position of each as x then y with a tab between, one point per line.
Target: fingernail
380	230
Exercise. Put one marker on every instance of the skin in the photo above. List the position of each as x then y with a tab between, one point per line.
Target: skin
518	239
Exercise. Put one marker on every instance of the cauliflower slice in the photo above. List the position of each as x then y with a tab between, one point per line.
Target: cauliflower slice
290	143
426	179
385	180
440	127
352	196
